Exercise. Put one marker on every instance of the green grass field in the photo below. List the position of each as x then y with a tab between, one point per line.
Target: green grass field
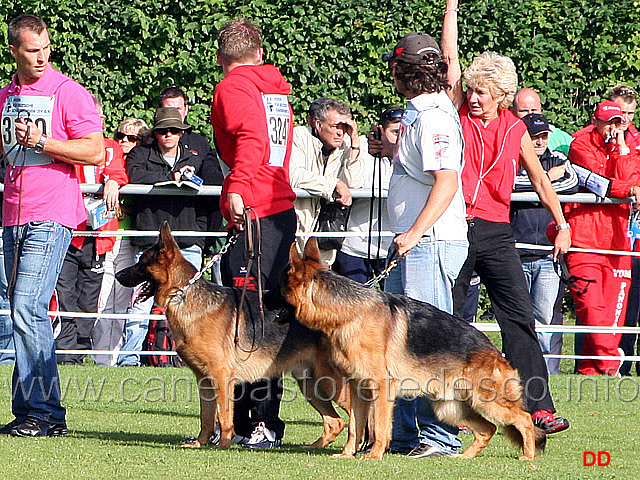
129	422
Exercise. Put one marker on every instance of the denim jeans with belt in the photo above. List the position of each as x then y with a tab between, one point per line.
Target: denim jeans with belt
36	385
428	273
135	329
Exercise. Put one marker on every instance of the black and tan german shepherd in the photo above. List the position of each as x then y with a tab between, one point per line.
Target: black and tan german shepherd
390	345
203	322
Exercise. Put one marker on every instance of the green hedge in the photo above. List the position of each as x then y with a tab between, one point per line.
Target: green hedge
571	51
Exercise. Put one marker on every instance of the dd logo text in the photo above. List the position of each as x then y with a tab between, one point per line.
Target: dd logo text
591	459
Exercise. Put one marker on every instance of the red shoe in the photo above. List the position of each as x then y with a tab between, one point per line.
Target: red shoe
548	422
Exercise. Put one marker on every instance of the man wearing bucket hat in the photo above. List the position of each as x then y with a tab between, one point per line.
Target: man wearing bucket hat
607	167
164	159
427	213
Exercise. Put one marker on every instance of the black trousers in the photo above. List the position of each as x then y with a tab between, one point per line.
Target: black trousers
260	401
78	290
492	254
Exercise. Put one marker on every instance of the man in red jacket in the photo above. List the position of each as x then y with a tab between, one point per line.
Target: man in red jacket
607	167
253	123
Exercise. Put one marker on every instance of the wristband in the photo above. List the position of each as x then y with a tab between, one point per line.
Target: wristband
625	150
563	226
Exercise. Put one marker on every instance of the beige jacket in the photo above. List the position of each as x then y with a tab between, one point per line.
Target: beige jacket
309	170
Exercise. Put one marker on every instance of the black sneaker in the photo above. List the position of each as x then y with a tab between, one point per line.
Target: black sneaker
6	430
35	427
427	451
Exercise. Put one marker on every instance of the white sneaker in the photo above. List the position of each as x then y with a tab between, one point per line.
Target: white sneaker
262	438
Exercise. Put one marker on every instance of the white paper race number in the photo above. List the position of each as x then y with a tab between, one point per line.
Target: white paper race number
39	110
276	108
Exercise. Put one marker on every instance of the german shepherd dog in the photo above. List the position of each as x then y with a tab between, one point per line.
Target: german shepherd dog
390	345
203	322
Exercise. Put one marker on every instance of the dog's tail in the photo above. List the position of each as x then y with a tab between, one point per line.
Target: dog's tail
513	435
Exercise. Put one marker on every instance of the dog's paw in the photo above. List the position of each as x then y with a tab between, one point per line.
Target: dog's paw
190	442
526	457
342	455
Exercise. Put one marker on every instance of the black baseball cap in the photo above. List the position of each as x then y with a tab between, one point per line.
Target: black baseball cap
415	48
536	124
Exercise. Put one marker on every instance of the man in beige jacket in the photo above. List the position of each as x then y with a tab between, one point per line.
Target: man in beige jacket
325	162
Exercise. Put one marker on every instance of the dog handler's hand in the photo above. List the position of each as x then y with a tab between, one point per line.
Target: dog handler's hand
405	242
562	243
236	210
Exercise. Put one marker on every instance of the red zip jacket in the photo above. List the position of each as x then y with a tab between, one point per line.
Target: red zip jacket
244	135
602	225
491	159
631	138
111	169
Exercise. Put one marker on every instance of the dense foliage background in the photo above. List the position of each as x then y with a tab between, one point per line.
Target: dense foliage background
571	51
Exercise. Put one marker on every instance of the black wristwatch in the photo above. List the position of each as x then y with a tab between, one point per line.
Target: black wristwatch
39	147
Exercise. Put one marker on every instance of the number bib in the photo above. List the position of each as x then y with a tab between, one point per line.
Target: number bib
276	107
40	110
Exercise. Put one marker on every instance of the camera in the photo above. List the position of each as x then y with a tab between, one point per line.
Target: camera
192	177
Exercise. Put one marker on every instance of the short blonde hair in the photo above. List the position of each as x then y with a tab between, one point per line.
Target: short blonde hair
134	124
495	72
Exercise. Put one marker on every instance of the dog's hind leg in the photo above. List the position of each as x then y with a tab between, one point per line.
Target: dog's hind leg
319	396
459	413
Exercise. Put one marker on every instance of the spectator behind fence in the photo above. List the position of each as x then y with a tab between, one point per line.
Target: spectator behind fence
427	214
80	279
107	334
361	258
42	204
527	101
495	141
627	99
210	170
607	167
164	159
529	221
252	123
325	162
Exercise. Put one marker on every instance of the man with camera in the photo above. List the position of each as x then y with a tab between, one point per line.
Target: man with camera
164	159
325	162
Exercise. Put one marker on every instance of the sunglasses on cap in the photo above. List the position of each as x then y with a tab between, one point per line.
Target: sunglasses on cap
119	136
392	114
164	131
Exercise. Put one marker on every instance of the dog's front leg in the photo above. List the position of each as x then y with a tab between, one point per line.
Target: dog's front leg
225	410
358	412
382	400
206	393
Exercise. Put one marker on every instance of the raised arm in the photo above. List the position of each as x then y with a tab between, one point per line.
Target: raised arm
449	46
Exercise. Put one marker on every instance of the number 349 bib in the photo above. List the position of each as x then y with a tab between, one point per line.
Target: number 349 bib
40	111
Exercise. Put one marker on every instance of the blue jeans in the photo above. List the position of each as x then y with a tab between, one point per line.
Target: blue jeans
428	273
6	327
36	385
544	285
135	330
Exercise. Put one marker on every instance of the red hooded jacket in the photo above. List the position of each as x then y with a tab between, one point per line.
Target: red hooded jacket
602	225
244	135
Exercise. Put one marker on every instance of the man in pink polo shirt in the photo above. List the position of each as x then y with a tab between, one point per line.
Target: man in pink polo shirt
52	126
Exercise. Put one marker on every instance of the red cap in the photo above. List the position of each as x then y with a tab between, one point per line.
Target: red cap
608	110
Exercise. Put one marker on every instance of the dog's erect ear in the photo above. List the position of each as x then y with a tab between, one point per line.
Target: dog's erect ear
294	256
166	240
311	250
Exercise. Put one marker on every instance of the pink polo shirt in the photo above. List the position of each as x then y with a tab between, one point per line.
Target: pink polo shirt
50	192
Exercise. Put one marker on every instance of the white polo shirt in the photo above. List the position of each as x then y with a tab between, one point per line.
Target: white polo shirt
430	139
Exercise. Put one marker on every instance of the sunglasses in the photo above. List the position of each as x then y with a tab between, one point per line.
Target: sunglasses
392	114
164	131
119	136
